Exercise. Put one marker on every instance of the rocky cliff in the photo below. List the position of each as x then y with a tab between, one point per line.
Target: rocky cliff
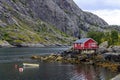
66	16
44	21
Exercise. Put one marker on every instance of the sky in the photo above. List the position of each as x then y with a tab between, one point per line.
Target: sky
109	10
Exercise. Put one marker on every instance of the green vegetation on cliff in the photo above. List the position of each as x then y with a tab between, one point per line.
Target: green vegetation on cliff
39	32
47	22
112	37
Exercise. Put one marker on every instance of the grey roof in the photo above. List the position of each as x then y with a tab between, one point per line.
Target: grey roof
83	40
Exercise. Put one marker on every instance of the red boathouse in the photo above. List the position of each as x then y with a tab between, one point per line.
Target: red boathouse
85	44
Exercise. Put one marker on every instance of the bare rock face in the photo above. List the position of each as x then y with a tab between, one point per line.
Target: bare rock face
64	14
45	22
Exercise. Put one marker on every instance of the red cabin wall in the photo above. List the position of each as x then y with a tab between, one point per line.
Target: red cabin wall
90	44
77	46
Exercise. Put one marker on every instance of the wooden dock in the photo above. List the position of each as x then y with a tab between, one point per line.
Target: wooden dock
30	65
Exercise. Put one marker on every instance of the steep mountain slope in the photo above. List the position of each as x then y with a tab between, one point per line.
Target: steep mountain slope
44	21
66	15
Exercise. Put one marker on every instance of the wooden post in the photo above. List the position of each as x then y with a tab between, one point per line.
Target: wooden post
79	51
94	56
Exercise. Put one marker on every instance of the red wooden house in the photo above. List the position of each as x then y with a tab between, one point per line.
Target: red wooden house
85	44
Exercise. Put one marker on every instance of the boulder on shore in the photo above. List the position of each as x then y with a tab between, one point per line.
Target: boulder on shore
104	44
103	47
114	49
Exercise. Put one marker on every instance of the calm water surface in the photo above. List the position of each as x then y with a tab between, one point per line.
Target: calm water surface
47	71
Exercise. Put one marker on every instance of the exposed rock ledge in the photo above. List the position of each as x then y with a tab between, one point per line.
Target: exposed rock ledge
30	45
103	48
38	45
5	44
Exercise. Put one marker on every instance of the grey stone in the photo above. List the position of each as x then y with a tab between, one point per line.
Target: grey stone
104	44
64	14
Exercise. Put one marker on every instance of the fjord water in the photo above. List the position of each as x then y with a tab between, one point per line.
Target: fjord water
9	57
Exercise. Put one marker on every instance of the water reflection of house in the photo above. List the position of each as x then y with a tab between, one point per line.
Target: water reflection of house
85	72
85	45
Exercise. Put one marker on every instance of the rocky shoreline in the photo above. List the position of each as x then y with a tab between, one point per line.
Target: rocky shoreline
107	57
7	44
97	60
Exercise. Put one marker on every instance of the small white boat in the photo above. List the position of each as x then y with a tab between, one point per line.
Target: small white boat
30	65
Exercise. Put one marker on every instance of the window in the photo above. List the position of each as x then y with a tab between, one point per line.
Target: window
92	44
75	45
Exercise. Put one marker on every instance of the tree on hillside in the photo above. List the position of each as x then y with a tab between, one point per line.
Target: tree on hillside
97	36
107	37
114	37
